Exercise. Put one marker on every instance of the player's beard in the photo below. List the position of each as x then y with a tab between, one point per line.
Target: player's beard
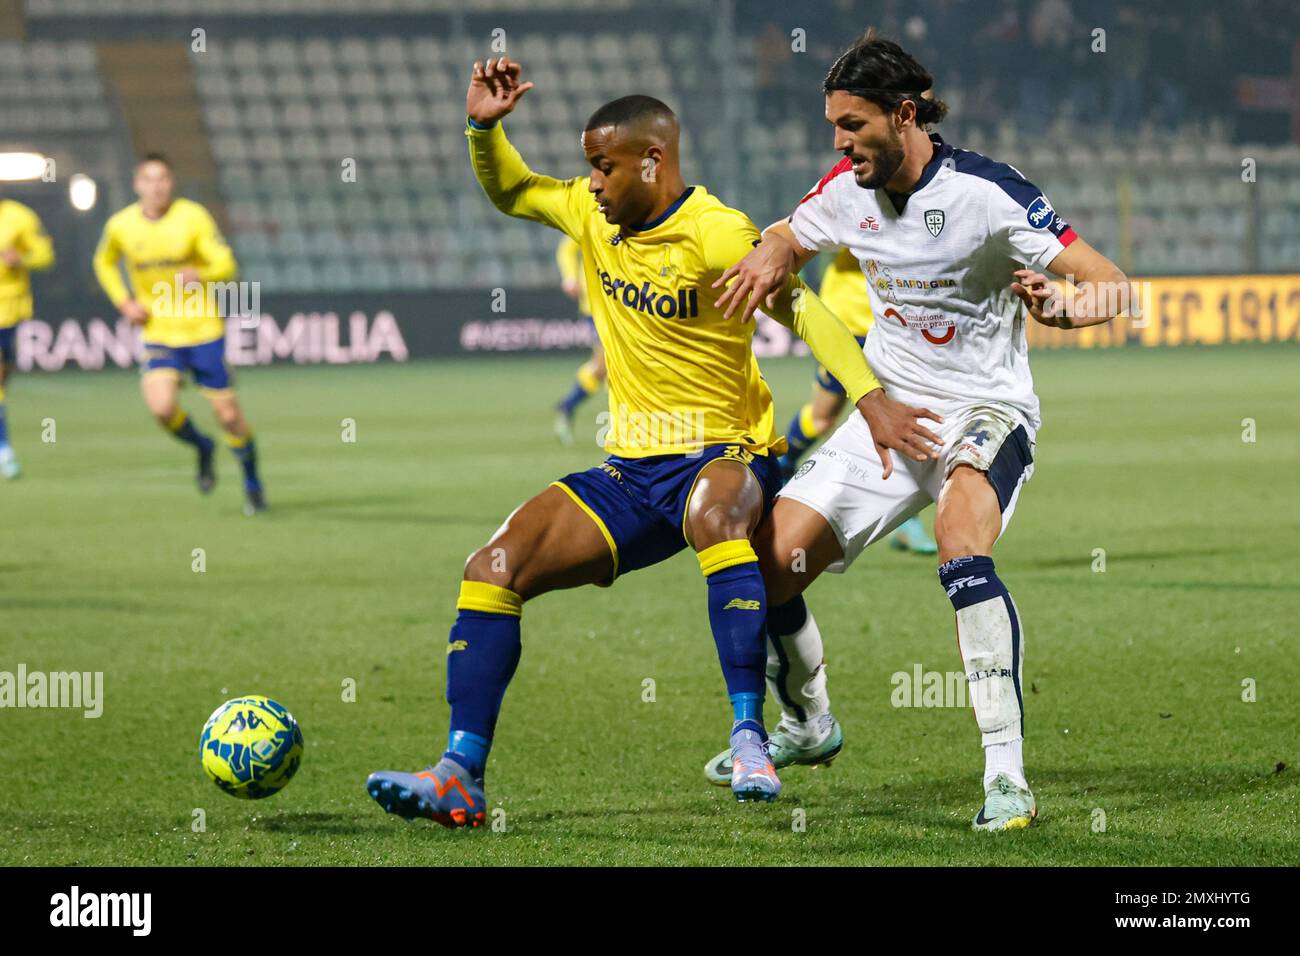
885	162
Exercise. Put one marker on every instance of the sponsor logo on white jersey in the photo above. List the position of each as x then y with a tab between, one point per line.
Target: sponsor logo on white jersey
1040	213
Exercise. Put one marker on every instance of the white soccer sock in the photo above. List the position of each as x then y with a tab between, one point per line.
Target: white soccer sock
1005	758
796	676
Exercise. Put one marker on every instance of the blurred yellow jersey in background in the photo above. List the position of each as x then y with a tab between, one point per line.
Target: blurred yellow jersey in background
569	258
21	230
844	290
154	252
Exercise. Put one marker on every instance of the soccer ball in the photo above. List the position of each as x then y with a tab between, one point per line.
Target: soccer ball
251	747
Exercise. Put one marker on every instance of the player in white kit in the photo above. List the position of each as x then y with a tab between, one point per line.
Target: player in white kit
951	245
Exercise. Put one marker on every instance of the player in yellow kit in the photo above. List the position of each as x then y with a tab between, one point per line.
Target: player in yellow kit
844	290
24	248
175	258
591	374
691	437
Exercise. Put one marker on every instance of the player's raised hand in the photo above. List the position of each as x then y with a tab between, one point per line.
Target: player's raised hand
494	90
1041	297
759	278
898	426
134	312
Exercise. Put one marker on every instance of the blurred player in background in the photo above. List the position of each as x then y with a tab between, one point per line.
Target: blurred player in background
173	253
954	279
24	247
591	374
692	440
844	290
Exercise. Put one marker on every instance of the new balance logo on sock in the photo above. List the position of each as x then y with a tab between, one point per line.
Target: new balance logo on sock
457	646
969	581
740	604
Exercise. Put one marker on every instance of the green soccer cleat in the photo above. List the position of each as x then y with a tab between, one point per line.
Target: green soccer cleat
910	536
563	427
254	500
9	466
1006	807
783	750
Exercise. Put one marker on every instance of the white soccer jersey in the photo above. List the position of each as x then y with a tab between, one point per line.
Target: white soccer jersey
949	332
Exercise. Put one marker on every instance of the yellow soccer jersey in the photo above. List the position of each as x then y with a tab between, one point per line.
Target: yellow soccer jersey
154	251
681	377
569	258
21	230
844	290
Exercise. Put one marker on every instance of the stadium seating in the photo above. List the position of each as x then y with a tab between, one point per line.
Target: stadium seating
50	87
285	114
291	116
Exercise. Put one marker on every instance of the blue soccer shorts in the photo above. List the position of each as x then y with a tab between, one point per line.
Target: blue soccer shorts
206	362
640	504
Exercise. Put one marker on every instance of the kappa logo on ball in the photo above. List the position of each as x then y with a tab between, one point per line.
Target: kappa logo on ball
934	219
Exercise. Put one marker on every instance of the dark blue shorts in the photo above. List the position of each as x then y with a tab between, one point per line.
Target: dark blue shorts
640	503
207	362
9	345
828	381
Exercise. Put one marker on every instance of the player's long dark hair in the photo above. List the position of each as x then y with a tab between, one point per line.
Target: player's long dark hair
883	72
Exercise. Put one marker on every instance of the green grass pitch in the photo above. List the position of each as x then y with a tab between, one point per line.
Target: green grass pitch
1133	677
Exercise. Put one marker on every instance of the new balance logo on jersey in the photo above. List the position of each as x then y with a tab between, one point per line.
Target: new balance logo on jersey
684	303
740	604
970	581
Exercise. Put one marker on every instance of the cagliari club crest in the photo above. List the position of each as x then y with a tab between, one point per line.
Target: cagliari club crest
934	221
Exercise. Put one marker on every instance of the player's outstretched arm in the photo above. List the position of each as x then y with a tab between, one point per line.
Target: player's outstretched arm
108	255
762	274
37	249
893	425
1097	289
512	187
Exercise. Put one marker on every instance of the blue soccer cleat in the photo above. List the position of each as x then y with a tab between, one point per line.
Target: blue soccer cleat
446	794
785	749
752	775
